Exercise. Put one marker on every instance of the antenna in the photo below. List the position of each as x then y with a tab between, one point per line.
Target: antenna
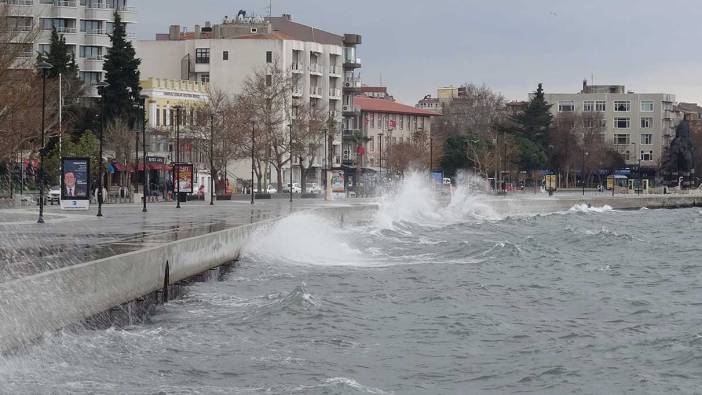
270	8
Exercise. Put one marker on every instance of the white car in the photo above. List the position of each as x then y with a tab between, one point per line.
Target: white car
271	189
313	188
55	194
296	188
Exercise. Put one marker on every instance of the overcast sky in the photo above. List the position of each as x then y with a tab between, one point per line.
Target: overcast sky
510	45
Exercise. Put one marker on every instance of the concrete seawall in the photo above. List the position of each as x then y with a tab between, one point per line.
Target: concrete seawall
32	306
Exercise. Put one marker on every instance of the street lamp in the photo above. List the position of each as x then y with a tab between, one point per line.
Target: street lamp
101	90
583	170
44	67
177	165
212	160
253	144
380	170
291	162
431	156
143	146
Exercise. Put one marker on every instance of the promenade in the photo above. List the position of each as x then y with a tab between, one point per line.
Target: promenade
69	238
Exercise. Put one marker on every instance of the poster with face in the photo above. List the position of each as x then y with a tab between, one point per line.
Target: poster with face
75	178
183	173
337	181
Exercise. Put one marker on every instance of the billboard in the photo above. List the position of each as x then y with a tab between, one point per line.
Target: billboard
337	181
183	173
75	183
437	178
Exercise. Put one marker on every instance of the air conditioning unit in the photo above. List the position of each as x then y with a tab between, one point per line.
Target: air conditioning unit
347	108
347	84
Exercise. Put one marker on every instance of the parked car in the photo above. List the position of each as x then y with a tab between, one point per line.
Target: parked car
296	188
55	194
270	189
312	187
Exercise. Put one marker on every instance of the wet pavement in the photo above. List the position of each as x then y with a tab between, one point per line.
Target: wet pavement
69	238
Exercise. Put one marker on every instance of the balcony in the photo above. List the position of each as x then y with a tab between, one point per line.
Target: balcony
128	14
335	93
334	71
18	2
352	83
352	63
316	91
315	68
297	91
296	67
65	30
65	3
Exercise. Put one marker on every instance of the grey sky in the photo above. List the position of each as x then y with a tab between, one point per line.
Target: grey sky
509	45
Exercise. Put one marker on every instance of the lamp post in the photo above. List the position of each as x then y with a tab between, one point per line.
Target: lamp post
431	156
585	153
253	144
143	146
100	87
177	165
291	162
326	161
212	160
380	161
44	67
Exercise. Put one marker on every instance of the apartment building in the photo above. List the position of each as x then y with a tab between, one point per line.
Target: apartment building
395	123
163	95
84	23
322	65
639	125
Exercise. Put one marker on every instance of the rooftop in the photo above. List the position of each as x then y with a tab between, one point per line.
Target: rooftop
379	105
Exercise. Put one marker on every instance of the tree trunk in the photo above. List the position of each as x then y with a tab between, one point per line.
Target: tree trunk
279	175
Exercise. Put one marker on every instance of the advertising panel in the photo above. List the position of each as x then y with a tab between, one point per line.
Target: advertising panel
183	172
75	183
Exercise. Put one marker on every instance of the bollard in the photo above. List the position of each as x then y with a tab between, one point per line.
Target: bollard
165	283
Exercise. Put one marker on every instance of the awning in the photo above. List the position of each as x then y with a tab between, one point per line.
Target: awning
154	167
118	166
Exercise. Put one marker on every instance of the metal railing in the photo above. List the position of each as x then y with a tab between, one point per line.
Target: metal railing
314	68
334	70
315	91
335	92
296	67
17	2
64	3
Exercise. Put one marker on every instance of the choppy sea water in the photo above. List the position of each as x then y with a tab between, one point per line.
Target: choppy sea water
424	299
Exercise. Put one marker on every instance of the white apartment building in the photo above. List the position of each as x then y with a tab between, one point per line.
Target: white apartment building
321	64
640	125
84	23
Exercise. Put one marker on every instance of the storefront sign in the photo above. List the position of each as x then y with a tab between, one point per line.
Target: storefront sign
184	174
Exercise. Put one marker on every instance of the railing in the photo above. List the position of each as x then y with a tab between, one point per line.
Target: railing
64	3
18	2
334	92
297	91
334	70
23	28
296	67
352	82
96	58
315	91
314	68
63	29
95	31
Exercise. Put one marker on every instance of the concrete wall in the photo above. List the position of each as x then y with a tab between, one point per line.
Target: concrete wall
33	306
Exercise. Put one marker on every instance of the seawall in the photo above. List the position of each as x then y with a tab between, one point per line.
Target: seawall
33	306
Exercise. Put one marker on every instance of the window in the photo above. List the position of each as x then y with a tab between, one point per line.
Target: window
269	57
646	139
646	106
646	155
622	106
589	123
372	145
588	106
158	119
621	139
269	80
90	27
622	123
603	123
90	52
44	49
646	123
372	119
202	55
600	106
225	55
627	156
205	78
402	122
566	106
90	77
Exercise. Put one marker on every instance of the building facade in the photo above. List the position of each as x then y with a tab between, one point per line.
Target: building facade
639	125
392	122
321	65
85	24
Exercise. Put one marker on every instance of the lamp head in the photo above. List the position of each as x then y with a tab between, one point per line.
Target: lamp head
44	65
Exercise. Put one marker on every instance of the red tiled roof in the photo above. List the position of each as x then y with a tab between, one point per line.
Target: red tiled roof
385	106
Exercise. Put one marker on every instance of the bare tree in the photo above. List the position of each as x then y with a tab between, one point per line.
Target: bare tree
268	92
308	137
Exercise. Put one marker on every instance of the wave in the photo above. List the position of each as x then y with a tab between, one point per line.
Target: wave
586	208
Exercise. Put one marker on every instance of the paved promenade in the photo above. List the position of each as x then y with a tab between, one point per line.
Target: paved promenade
69	238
